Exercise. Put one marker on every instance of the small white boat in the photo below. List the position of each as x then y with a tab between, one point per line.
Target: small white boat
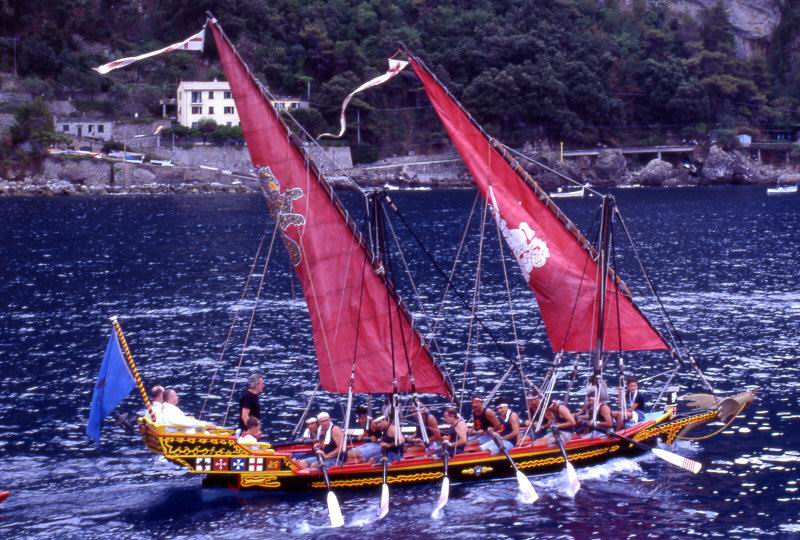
561	194
782	190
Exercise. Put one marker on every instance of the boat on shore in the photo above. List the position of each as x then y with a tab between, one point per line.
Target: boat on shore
561	193
782	190
368	344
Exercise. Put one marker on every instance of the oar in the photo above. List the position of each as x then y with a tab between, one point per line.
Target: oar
573	484
443	496
384	509
679	461
529	494
335	513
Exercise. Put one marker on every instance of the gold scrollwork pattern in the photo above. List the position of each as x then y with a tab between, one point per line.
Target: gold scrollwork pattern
191	447
555	460
377	480
259	480
670	430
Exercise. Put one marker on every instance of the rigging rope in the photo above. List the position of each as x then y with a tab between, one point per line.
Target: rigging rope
233	323
545	167
252	318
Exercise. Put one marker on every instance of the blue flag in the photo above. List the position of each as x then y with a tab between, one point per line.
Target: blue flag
114	382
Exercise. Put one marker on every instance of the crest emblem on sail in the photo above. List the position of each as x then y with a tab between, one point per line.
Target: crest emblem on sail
557	262
356	317
281	207
530	252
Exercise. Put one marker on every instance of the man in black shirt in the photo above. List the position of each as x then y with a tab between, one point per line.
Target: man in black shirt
248	403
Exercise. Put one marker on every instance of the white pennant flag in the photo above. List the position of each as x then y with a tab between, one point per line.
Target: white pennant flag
193	43
395	67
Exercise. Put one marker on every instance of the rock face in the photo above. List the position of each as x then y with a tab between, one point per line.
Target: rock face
753	20
718	166
654	173
611	168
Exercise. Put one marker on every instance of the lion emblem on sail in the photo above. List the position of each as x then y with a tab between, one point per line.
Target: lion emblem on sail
281	206
531	252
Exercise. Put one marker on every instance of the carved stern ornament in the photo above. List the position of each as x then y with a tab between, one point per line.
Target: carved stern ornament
280	205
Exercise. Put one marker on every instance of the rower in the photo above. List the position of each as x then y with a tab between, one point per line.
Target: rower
456	434
388	442
634	412
558	415
482	419
509	421
311	433
590	425
370	449
431	430
331	439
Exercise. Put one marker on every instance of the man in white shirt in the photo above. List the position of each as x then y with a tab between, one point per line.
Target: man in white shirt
171	414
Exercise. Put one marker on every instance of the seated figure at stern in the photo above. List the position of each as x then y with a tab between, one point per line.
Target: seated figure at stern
370	449
588	424
635	404
252	432
171	414
455	437
157	402
311	433
483	418
559	416
416	441
328	447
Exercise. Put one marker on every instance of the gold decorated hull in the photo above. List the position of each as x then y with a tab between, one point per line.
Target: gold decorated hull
225	462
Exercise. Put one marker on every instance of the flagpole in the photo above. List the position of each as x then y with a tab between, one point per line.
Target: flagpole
131	364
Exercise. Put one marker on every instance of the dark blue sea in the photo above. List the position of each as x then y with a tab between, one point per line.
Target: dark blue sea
173	268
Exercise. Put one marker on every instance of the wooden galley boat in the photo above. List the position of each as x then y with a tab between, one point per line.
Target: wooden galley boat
368	344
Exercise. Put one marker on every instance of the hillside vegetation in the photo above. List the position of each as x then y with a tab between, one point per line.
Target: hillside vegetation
573	70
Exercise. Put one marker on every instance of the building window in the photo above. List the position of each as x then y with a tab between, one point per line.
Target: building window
211	95
100	128
279	105
229	124
194	125
197	97
226	94
228	110
89	128
293	105
65	128
197	110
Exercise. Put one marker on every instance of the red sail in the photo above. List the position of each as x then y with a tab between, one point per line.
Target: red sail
555	259
354	316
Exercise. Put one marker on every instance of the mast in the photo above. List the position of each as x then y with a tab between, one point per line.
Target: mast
603	249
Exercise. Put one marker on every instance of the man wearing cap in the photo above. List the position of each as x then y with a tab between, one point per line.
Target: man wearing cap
330	441
389	445
311	433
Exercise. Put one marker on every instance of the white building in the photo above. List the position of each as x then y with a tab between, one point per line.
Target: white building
198	100
81	128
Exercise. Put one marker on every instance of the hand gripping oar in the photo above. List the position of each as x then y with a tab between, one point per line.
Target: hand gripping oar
529	494
384	508
335	513
443	496
679	461
573	485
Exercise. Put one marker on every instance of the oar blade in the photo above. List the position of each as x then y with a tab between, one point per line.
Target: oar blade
443	496
384	508
335	513
528	493
573	484
679	461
